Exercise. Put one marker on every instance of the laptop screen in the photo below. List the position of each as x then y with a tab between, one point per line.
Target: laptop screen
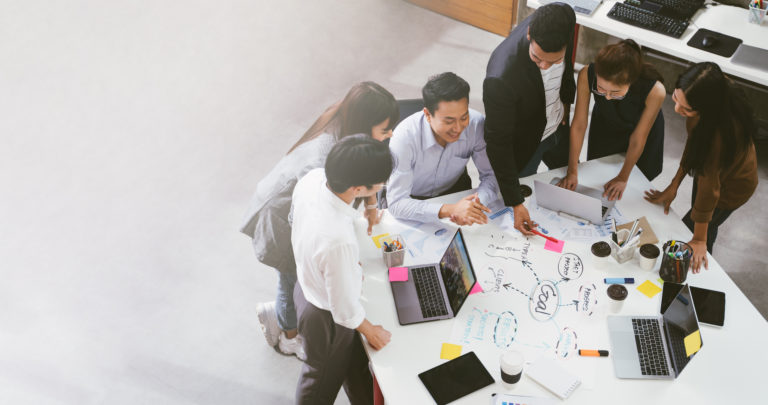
457	272
680	322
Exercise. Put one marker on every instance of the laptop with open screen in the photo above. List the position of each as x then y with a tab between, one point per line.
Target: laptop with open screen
654	347
438	290
585	202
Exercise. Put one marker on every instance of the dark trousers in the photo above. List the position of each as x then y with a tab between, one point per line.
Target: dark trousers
335	358
553	151
718	217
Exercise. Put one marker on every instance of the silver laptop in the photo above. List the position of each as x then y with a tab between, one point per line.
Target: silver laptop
585	203
438	290
751	56
586	7
652	347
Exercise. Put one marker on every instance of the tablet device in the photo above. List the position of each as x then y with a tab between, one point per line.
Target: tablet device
709	304
456	378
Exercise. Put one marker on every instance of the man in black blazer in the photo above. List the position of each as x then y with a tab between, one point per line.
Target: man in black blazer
527	92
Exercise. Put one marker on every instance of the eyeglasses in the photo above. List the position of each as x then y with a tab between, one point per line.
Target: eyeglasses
614	94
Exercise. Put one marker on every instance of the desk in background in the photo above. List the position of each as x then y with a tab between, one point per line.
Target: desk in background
728	369
728	20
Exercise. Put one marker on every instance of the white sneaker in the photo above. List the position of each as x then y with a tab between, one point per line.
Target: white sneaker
268	321
292	346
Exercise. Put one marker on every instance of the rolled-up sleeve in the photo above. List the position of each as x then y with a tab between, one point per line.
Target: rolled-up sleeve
344	282
399	200
488	191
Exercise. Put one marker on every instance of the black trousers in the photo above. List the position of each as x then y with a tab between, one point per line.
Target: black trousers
335	358
718	217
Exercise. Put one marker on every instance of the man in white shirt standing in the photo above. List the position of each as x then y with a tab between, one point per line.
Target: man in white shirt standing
330	277
432	148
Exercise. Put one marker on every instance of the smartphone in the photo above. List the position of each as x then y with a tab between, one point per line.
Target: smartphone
709	304
456	378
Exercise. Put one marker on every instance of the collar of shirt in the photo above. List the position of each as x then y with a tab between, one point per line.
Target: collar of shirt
429	137
335	202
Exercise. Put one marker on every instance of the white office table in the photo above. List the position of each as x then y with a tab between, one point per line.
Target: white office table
728	369
728	20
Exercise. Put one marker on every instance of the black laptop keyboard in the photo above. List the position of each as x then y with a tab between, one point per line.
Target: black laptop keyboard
429	292
650	349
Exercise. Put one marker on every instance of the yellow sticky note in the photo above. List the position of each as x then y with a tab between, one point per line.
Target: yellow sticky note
649	289
377	239
450	351
692	343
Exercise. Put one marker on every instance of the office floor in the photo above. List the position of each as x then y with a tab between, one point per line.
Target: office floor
133	134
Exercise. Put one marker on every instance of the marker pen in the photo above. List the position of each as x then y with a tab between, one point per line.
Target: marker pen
593	353
626	280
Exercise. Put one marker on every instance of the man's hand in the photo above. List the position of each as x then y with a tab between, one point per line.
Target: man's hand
376	336
664	198
373	216
469	210
523	222
614	189
699	255
570	181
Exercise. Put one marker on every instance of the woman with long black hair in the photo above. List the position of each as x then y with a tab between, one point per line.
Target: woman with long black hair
719	154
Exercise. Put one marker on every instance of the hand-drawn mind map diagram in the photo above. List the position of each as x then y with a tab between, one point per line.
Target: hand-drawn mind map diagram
546	300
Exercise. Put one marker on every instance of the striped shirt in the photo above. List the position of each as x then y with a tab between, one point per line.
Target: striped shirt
552	79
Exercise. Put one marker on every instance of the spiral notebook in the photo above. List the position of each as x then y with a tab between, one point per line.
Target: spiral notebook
553	377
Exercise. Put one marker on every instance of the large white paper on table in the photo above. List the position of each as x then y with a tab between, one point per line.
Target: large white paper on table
535	301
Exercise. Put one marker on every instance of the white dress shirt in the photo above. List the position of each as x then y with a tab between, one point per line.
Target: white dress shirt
553	79
426	169
326	251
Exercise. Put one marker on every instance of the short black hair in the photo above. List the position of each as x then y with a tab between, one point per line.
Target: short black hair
552	26
444	87
357	160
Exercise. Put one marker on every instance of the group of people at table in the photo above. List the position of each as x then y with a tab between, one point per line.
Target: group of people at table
301	218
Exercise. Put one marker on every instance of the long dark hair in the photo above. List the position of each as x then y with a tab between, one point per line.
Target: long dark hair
622	63
366	104
723	110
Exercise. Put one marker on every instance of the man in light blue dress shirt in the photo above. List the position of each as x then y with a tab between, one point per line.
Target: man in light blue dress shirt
432	148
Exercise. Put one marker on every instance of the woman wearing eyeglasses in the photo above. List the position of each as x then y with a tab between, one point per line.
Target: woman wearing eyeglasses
626	116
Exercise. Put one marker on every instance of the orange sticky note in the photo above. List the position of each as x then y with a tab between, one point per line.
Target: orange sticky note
649	289
450	351
377	239
398	274
692	343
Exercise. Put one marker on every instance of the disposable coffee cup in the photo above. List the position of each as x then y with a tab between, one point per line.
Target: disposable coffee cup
617	293
648	255
511	368
601	253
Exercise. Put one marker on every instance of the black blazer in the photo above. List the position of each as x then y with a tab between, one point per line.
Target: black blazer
515	111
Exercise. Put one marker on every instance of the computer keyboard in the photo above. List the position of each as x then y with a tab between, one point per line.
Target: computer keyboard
649	20
650	349
429	292
683	9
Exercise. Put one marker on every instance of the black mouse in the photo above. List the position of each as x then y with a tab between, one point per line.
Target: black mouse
709	41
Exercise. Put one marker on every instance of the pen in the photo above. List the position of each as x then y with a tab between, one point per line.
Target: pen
593	353
619	280
549	238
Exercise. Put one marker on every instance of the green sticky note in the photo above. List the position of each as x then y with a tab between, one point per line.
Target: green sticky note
649	289
660	281
450	351
692	343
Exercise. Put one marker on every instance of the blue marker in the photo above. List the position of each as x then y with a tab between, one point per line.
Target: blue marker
626	280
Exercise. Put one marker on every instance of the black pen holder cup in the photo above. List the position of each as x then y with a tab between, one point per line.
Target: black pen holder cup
674	269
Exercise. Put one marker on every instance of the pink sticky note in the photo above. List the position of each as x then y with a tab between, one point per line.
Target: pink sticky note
555	247
398	274
476	289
